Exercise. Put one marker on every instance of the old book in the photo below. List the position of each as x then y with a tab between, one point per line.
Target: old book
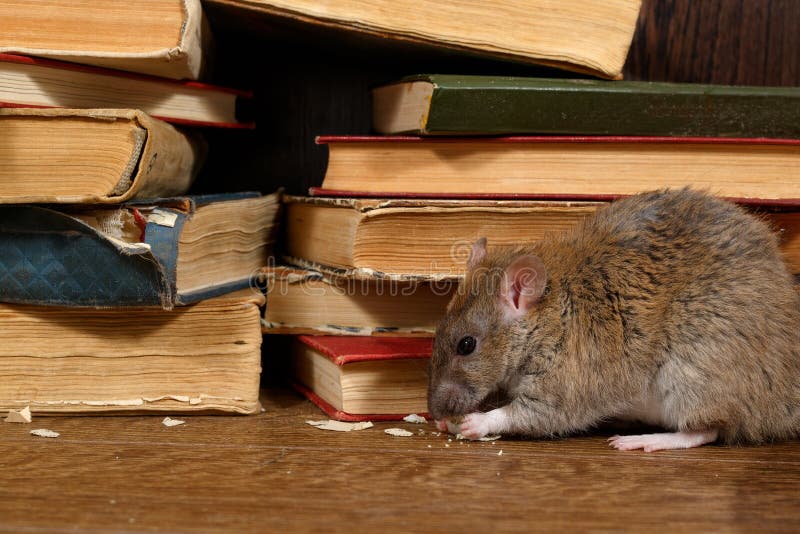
444	104
751	169
363	378
591	36
166	252
167	38
34	82
93	156
787	223
305	301
417	239
198	358
416	236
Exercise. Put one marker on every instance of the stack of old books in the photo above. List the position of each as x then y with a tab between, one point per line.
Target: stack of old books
118	291
514	160
371	266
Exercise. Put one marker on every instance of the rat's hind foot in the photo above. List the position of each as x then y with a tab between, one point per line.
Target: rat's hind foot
667	440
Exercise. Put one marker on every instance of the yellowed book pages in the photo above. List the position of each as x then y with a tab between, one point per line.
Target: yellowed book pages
92	156
428	238
203	357
571	167
787	224
227	241
582	35
160	37
392	386
303	301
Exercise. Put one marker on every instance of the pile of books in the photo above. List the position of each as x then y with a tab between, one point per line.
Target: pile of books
118	291
455	158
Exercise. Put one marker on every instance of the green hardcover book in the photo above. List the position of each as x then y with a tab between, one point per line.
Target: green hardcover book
484	105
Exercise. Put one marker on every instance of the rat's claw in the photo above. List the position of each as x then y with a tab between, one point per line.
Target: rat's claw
441	425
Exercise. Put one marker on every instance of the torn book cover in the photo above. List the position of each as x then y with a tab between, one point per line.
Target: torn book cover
163	252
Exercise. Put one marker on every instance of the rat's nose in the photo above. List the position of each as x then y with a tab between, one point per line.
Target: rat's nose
446	400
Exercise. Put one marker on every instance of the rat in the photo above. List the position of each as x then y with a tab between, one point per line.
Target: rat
673	307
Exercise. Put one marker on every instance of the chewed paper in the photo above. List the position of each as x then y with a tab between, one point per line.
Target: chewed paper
340	426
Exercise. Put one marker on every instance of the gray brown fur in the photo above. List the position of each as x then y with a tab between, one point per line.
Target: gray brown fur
671	295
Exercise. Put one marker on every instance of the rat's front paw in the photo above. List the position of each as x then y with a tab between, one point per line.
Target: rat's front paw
475	425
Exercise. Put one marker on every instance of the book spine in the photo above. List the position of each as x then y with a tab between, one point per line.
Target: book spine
169	161
662	110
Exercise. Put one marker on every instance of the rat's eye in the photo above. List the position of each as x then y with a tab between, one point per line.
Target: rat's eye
466	345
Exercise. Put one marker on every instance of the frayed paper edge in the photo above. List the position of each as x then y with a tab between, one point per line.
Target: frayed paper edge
415	419
19	416
168	421
45	433
340	426
398	432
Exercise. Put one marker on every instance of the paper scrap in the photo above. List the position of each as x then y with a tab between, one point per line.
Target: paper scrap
44	433
21	416
168	421
414	418
340	426
399	432
162	217
484	438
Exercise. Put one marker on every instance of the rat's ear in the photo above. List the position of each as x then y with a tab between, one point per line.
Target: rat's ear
523	285
476	253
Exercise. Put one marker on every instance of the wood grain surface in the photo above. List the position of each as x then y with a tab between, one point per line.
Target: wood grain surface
272	472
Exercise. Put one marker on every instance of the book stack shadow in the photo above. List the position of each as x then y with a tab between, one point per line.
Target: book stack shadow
119	290
379	249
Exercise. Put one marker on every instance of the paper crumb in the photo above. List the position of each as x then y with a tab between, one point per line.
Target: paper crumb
44	433
414	418
484	438
340	426
399	432
162	217
21	416
168	421
500	453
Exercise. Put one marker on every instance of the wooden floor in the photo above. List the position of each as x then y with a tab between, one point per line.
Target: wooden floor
273	472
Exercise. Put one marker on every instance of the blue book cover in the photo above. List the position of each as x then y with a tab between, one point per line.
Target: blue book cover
128	255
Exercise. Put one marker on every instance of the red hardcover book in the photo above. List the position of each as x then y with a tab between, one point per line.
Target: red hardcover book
43	83
752	171
363	378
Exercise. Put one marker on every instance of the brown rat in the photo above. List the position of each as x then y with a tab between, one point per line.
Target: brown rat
671	307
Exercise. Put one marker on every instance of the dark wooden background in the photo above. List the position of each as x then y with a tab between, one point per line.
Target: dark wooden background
309	81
